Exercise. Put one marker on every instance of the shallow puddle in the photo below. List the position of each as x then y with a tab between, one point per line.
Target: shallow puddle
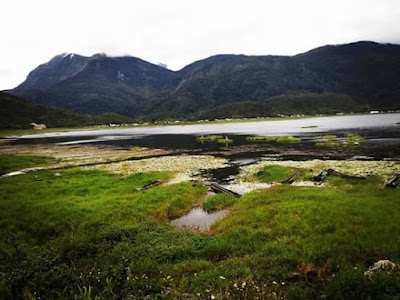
199	219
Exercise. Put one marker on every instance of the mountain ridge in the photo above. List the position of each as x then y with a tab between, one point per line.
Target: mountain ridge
366	71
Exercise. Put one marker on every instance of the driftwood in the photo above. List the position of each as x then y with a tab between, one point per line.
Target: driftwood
394	182
150	185
330	172
292	178
220	189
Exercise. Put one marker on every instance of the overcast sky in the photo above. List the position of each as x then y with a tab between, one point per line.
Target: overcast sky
176	32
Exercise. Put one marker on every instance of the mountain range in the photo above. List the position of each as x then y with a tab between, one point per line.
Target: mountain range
329	79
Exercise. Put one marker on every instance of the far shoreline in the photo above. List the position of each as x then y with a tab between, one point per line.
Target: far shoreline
16	133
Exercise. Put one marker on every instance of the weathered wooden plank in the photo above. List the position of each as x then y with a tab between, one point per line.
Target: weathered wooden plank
220	189
292	178
394	182
150	185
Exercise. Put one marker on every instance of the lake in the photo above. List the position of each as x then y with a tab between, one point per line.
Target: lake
375	127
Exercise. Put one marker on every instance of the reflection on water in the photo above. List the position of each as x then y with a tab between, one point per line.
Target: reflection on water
199	219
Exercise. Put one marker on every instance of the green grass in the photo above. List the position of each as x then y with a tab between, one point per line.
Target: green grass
90	230
274	173
218	202
12	162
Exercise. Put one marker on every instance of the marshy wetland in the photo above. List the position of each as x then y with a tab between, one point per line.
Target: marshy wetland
128	213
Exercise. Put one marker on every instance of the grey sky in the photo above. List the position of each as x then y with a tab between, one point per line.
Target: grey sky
178	32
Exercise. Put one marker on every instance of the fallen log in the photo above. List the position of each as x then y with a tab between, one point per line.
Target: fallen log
292	178
150	185
330	172
394	182
220	189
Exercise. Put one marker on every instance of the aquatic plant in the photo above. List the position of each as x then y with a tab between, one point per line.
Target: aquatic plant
331	141
278	139
261	139
288	140
209	138
353	139
225	141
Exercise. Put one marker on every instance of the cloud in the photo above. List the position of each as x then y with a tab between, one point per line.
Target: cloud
177	32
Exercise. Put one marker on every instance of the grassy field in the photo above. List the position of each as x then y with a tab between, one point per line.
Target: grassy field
89	234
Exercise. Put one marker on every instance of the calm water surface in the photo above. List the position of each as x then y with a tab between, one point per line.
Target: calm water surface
374	127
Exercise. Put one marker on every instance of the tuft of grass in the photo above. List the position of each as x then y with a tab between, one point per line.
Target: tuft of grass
214	138
209	138
13	162
328	137
278	139
274	173
331	141
219	201
353	140
288	140
261	139
225	141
